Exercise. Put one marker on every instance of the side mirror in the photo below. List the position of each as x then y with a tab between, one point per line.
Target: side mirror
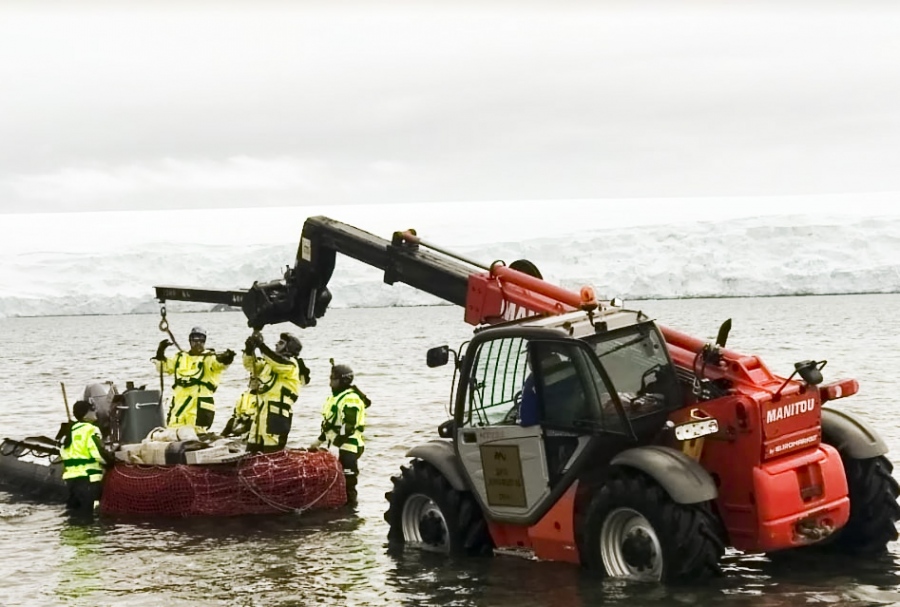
437	357
810	371
447	429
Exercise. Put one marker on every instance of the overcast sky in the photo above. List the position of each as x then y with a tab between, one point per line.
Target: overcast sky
155	104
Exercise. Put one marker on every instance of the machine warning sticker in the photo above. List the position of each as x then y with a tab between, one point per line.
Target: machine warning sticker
305	249
503	475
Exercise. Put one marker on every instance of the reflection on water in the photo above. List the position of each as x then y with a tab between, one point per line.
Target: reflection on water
80	562
426	579
341	557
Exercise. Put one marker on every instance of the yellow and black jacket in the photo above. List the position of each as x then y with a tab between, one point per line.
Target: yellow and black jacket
280	384
344	421
196	379
80	453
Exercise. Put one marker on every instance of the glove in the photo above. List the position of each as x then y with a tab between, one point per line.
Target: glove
161	349
253	342
226	357
316	445
304	370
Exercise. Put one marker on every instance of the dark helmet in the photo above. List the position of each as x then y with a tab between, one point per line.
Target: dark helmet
292	344
343	373
198	331
81	408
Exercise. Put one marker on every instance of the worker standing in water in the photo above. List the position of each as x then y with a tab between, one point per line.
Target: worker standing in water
281	373
343	424
84	457
197	372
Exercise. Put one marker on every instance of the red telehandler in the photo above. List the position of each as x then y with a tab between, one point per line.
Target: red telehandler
586	432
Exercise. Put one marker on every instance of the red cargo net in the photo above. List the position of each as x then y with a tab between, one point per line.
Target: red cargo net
286	481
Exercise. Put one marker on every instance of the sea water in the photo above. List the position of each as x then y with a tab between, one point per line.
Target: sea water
341	558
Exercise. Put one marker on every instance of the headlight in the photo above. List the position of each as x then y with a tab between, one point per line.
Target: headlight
696	429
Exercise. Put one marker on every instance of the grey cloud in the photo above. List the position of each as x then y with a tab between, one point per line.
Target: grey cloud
140	105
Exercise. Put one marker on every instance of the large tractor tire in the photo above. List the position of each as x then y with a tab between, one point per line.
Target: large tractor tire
874	510
634	529
425	511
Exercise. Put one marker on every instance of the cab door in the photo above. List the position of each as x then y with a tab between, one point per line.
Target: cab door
504	460
519	461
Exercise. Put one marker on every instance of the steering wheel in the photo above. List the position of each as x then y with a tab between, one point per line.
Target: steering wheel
654	371
513	413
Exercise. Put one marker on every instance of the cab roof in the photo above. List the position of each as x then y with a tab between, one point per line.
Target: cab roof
577	324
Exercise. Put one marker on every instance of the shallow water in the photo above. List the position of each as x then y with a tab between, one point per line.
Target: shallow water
341	557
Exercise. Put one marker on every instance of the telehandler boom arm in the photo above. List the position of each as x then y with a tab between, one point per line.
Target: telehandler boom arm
488	294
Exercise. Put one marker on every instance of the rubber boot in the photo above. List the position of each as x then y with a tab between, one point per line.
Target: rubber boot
349	463
350	478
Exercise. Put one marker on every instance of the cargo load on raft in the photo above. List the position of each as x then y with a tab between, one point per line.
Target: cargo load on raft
163	471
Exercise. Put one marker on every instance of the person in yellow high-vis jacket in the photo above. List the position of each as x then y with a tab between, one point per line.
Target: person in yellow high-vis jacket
84	457
281	373
197	372
343	424
238	425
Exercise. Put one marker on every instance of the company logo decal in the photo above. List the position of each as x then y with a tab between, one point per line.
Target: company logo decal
786	411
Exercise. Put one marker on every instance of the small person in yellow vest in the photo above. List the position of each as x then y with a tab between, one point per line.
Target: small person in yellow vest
240	422
343	424
197	372
83	456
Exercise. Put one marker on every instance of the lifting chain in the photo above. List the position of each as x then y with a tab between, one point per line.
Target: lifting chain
164	327
164	324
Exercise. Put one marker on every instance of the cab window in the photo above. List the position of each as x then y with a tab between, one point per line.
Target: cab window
637	364
496	380
572	391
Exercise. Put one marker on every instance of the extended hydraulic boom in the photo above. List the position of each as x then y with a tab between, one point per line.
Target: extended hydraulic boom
488	294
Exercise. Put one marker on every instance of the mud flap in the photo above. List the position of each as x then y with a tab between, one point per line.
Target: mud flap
850	435
685	480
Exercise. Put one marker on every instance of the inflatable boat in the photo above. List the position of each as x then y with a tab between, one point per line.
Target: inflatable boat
164	472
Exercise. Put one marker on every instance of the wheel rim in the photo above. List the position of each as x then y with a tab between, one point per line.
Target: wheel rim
629	546
424	524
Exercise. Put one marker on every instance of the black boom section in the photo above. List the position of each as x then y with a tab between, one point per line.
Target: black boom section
302	295
214	296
